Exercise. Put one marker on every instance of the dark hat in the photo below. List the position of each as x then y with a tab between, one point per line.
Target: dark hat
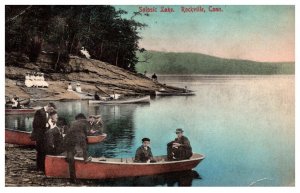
179	130
145	139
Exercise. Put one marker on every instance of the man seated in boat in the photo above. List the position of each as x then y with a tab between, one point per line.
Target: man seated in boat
180	148
96	125
96	96
15	102
144	153
54	136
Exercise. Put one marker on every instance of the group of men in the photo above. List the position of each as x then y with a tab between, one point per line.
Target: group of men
179	149
54	136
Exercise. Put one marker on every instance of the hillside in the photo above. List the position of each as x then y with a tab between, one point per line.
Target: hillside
195	63
88	72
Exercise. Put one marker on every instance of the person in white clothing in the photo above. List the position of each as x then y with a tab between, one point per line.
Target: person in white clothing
70	87
85	53
78	88
28	82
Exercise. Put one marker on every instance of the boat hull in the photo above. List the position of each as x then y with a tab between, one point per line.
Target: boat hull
57	167
145	99
23	137
158	93
96	138
18	137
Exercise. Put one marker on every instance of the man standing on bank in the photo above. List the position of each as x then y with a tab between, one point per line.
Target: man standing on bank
143	153
180	148
40	125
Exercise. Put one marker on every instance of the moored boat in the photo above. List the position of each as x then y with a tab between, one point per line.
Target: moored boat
22	102
57	167
144	99
10	111
165	93
19	137
96	138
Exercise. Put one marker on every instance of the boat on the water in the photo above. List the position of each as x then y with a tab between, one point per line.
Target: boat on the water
106	168
10	111
131	100
85	95
168	93
19	137
23	102
96	138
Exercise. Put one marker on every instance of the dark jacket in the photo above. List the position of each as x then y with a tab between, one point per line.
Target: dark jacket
54	141
143	155
182	152
39	125
77	134
96	127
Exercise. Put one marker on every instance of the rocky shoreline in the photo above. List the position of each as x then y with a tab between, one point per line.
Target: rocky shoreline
93	75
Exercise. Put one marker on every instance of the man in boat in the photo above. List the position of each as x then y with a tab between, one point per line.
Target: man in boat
97	127
96	96
91	124
54	136
40	125
15	102
180	148
76	143
144	153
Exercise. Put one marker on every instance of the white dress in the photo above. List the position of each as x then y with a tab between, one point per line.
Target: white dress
78	89
70	88
43	82
32	78
28	82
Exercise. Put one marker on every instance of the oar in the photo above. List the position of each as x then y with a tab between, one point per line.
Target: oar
102	90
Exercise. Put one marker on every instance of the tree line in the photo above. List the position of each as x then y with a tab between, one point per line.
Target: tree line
64	30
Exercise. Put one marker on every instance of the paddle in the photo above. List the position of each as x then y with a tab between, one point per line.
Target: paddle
102	90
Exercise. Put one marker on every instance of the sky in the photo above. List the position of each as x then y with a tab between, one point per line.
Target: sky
251	32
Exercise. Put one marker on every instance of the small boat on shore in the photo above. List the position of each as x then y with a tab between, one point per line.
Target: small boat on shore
166	93
10	111
19	137
106	168
131	100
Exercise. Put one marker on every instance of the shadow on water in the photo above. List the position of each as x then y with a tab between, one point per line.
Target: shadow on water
182	178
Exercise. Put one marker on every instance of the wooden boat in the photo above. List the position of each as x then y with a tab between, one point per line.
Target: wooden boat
96	138
18	137
9	111
165	93
22	102
84	95
144	99
57	167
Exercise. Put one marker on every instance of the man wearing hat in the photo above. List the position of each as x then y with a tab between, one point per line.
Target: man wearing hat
180	148
96	125
143	153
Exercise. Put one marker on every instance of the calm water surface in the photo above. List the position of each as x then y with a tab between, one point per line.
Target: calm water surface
243	124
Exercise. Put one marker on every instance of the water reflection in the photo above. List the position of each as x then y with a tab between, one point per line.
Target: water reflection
19	122
182	178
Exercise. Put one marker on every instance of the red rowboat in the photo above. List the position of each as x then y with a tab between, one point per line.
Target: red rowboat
96	138
18	137
57	167
21	111
23	137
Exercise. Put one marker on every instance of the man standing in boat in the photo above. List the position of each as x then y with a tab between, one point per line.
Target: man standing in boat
180	148
97	128
144	153
40	125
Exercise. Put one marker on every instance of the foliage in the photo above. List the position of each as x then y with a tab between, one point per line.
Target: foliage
66	29
195	63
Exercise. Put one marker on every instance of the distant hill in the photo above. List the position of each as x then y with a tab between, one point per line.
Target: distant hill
196	63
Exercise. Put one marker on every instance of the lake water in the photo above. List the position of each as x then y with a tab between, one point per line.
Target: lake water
245	126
